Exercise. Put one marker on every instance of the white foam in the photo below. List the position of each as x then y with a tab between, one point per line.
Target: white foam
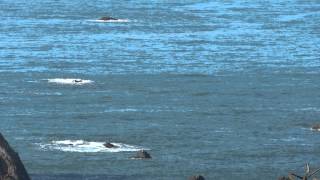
308	109
111	21
121	110
88	147
48	94
70	81
314	129
32	81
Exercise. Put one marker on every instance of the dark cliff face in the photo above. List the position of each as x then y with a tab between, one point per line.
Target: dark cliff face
11	167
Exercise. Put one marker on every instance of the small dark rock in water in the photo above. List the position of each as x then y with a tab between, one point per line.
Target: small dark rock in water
316	127
142	155
109	145
283	178
107	18
11	167
77	80
199	177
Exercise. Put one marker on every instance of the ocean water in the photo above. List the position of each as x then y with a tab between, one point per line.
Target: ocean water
228	89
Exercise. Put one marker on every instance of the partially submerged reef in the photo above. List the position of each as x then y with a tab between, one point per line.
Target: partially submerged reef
11	167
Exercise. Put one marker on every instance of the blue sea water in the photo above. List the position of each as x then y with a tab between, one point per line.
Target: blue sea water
228	89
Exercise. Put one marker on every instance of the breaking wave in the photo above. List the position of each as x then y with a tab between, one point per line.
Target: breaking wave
70	81
110	21
87	147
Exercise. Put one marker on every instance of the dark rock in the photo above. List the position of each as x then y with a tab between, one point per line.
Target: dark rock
109	145
199	177
142	154
316	127
289	177
283	178
11	167
77	80
107	18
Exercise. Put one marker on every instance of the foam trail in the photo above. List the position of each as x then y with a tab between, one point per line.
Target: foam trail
110	21
122	110
70	81
87	147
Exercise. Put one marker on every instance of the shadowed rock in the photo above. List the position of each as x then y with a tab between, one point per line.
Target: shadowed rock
11	167
110	145
107	18
199	177
142	154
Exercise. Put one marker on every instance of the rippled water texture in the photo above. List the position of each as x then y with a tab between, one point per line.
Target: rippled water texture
227	89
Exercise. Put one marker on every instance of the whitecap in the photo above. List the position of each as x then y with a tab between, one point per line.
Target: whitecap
289	139
121	110
48	93
308	109
70	81
110	21
87	146
32	81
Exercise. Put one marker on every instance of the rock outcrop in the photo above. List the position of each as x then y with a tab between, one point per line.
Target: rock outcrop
142	154
316	127
107	18
199	177
77	80
110	145
11	167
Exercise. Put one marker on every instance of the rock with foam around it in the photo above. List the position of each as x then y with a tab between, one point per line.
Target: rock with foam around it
110	145
11	167
199	177
107	18
316	127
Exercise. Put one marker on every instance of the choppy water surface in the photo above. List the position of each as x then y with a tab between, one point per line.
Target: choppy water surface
227	89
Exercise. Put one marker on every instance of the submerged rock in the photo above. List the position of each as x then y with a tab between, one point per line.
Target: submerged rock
11	167
107	18
199	177
142	154
110	145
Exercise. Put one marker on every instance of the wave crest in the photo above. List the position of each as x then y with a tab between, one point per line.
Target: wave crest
87	146
70	81
111	21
